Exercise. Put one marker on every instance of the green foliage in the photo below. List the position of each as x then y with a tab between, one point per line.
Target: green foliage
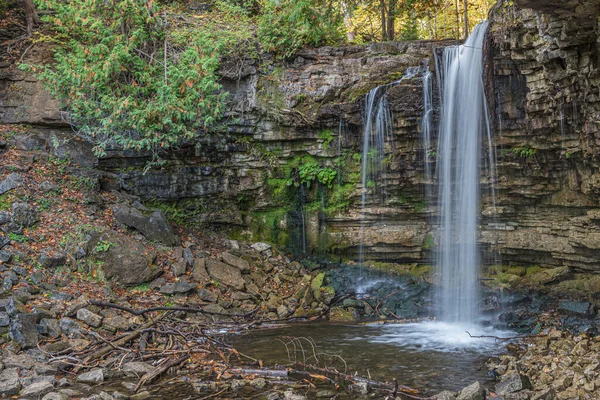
524	151
132	76
16	237
428	242
103	246
143	287
327	137
288	25
312	172
44	203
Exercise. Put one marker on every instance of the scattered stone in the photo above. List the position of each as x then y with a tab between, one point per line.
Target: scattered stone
472	392
68	325
4	319
199	271
141	396
225	274
138	368
5	257
24	215
261	247
52	327
547	394
579	309
153	226
445	395
236	261
360	388
53	260
11	182
283	312
118	322
47	186
207	295
55	396
4	217
177	288
37	390
340	315
180	267
9	382
89	318
290	395
96	375
23	330
513	382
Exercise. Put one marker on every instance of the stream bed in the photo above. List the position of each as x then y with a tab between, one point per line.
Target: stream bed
428	356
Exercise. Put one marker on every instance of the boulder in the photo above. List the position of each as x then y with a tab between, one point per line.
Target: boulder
445	395
225	274
179	267
207	295
89	318
578	309
126	260
37	390
95	375
55	396
176	288
472	392
52	259
11	182
199	272
9	382
24	215
236	261
153	224
138	368
339	315
512	382
4	217
24	331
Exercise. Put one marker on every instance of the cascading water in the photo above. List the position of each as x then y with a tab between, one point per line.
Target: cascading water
427	130
463	125
378	130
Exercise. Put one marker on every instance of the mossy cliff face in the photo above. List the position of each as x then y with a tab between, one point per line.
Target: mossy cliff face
280	163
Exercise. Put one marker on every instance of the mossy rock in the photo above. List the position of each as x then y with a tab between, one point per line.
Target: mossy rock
317	284
339	315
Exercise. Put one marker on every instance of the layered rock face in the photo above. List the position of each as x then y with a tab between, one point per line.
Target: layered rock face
544	76
543	89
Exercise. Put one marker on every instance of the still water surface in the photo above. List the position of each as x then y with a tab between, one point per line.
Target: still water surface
430	356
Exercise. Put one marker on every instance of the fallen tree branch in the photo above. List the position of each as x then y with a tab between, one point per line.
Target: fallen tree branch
505	339
184	309
151	376
118	343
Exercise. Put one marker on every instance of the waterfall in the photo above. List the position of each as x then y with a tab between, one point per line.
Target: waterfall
377	131
464	125
427	130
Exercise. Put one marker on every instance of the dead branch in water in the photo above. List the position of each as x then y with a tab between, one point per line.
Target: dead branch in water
504	339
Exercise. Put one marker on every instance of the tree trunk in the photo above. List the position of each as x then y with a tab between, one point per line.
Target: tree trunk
31	16
383	21
391	20
456	11
467	28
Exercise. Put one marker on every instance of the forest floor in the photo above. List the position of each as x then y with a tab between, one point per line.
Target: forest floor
103	298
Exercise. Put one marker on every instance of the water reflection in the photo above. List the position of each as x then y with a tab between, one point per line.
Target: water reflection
427	356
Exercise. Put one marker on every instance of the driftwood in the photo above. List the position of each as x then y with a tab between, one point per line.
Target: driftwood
151	376
152	309
117	343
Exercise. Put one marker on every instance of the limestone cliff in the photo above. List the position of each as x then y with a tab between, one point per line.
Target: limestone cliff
543	90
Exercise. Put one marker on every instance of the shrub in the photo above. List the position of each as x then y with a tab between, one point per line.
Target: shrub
131	76
288	25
